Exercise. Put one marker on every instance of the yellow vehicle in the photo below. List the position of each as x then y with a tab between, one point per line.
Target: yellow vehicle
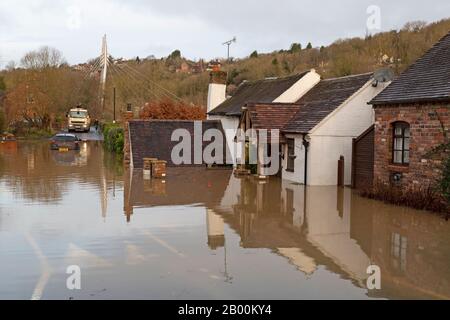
78	119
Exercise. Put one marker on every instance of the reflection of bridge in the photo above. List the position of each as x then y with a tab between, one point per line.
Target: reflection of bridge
320	226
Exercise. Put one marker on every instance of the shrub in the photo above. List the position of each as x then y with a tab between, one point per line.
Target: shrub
170	110
2	121
113	138
421	197
445	181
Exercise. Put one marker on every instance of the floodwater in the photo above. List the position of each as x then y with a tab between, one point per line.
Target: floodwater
202	234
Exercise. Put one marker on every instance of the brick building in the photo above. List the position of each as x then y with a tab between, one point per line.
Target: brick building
412	121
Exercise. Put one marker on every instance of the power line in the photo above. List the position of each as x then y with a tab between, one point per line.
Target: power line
129	90
142	86
122	72
155	84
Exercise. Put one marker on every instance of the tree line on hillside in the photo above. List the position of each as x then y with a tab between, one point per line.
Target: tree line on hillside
396	49
37	96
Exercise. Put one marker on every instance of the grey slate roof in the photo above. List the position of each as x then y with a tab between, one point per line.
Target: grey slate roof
153	138
261	91
322	100
427	80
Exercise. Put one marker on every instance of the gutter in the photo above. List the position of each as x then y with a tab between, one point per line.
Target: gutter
306	144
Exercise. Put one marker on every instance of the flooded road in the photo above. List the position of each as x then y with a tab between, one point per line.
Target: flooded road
202	234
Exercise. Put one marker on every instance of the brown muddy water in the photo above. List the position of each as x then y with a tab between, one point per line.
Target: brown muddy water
202	234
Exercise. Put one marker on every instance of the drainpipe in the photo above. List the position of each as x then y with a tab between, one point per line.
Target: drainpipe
306	144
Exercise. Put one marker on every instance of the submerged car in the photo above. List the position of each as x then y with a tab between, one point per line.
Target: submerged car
65	142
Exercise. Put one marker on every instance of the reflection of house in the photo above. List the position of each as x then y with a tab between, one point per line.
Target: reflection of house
309	228
412	249
215	229
412	119
176	189
328	216
271	90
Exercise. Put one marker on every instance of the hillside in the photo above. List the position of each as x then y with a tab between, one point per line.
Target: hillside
52	86
396	49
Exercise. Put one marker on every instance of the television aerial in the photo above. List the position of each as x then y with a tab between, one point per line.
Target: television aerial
228	44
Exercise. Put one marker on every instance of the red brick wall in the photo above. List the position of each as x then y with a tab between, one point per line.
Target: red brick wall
429	128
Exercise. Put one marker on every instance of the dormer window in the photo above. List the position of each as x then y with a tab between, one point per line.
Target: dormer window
402	137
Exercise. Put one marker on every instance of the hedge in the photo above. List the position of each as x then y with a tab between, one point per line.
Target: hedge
113	138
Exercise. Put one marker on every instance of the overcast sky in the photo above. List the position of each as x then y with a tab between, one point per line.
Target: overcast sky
196	27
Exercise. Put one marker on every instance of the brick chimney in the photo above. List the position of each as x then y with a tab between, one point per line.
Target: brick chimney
217	90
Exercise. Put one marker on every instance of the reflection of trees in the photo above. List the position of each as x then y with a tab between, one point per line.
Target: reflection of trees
39	174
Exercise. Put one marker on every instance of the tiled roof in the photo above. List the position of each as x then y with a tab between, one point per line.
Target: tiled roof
261	91
427	80
322	100
271	116
152	138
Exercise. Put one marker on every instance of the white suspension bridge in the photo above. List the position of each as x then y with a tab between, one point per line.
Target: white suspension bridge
134	84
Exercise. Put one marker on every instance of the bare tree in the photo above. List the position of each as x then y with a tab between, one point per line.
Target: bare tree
414	26
45	57
11	66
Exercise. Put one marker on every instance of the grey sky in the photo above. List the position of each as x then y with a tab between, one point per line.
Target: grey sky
196	27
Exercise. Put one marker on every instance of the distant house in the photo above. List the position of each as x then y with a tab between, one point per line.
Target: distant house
271	90
412	121
319	138
214	65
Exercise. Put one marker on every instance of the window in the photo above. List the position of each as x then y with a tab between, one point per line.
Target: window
291	155
402	136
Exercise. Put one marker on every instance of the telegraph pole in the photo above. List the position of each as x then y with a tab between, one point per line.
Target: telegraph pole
114	103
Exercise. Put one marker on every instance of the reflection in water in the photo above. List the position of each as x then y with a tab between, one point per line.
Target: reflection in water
203	234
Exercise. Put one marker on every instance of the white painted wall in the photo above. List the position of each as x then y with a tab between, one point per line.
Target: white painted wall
300	88
217	93
298	176
333	138
230	126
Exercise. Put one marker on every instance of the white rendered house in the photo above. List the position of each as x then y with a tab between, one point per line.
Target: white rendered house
331	115
271	90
